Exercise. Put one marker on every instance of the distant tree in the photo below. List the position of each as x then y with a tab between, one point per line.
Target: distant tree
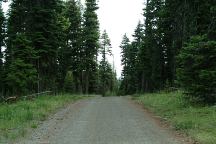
125	51
106	78
105	70
139	61
91	46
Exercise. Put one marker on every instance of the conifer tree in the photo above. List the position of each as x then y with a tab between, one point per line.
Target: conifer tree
21	75
106	78
105	70
125	47
91	46
70	54
139	58
45	33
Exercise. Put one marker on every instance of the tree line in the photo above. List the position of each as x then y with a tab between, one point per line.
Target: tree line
52	45
174	47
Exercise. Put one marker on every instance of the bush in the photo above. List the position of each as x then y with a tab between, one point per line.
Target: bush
197	69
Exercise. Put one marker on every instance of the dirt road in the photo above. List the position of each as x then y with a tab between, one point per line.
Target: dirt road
111	120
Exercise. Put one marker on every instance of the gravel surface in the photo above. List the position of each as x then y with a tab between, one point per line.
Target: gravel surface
109	120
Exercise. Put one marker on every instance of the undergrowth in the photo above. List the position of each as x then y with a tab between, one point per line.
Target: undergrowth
17	118
198	122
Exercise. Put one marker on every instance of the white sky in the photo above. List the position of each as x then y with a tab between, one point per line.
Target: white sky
117	17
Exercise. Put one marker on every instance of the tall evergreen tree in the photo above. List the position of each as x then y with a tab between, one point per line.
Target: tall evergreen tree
105	68
91	45
125	48
153	44
36	24
140	61
20	74
70	55
44	32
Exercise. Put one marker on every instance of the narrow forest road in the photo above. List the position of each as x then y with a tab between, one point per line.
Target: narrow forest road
110	120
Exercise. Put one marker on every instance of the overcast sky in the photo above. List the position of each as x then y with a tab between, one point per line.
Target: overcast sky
117	17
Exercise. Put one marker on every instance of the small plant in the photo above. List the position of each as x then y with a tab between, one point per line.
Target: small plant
34	126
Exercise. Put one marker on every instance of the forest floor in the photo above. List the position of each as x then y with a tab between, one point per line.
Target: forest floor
102	120
194	120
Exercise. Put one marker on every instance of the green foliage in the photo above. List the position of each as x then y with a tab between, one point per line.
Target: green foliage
69	82
33	40
91	45
2	35
125	46
45	32
107	78
106	73
197	68
57	37
21	75
70	55
198	122
150	63
16	118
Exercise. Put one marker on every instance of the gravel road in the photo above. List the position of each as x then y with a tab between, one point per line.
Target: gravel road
109	120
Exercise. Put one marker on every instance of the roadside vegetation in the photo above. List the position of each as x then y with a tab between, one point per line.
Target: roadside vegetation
17	118
198	122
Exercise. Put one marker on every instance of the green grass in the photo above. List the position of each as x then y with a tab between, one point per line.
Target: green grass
16	119
196	121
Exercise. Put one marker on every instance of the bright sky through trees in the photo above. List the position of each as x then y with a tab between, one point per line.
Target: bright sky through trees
117	17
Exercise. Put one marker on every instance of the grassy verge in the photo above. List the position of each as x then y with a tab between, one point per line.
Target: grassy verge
197	122
17	118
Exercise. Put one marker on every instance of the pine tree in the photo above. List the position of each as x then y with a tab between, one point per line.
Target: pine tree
197	69
91	46
36	24
70	55
139	58
105	70
125	47
130	74
45	33
21	75
154	45
106	78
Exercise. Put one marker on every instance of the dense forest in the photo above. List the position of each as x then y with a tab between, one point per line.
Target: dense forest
53	45
174	47
56	45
